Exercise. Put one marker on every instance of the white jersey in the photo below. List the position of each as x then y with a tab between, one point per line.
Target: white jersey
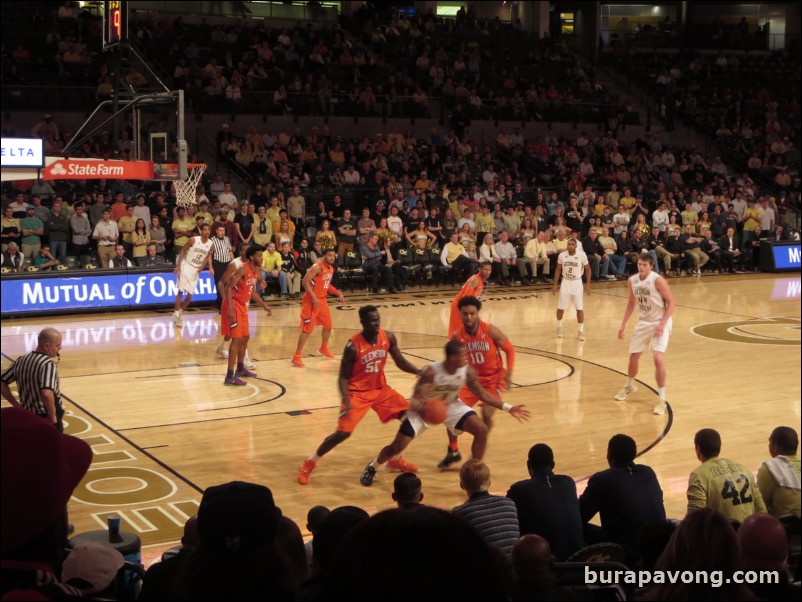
573	266
651	305
448	385
197	252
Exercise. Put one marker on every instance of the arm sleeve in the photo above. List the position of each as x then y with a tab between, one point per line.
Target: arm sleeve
588	504
765	483
697	496
760	504
509	351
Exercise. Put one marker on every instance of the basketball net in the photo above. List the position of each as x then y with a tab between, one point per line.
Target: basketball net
186	190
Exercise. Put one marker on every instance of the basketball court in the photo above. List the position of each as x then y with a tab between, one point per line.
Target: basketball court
149	397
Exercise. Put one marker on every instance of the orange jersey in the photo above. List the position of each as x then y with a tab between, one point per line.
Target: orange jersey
321	282
368	371
243	289
483	353
455	322
470	291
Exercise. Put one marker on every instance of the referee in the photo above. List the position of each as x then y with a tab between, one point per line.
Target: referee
36	375
221	256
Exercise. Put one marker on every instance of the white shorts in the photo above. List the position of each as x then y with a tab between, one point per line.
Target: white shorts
643	337
571	290
455	412
188	277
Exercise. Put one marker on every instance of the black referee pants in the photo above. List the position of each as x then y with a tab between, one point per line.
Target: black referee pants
219	271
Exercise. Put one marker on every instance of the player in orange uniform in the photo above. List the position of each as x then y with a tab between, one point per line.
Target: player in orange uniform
314	305
234	314
363	386
484	343
473	287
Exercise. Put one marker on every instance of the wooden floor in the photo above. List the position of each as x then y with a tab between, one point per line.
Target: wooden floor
149	398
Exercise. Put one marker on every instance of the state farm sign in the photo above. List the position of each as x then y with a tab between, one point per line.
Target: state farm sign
88	169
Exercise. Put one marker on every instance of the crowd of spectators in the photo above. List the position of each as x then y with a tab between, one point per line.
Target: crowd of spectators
748	103
516	206
366	64
240	545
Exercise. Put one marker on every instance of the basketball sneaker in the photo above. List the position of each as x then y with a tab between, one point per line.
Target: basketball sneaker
222	351
235	381
581	336
400	464
177	320
325	351
248	363
367	476
559	334
245	373
660	408
305	471
624	393
297	361
451	458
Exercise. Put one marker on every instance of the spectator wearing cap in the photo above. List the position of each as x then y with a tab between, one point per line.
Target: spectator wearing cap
40	469
92	568
236	557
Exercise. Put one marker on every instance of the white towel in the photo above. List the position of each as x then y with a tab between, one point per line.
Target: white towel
783	472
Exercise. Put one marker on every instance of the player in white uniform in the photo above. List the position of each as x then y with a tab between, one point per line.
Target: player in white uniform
193	256
655	303
571	264
445	379
233	266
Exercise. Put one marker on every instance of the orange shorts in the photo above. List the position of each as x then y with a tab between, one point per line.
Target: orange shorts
493	384
311	318
242	329
386	402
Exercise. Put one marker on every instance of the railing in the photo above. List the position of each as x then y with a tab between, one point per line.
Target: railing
21	97
250	10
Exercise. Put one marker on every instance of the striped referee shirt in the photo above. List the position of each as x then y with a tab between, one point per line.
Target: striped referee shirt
33	372
222	249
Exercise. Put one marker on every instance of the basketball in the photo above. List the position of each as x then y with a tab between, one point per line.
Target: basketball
434	411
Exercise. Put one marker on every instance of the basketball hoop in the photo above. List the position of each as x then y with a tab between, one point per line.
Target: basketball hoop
185	190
